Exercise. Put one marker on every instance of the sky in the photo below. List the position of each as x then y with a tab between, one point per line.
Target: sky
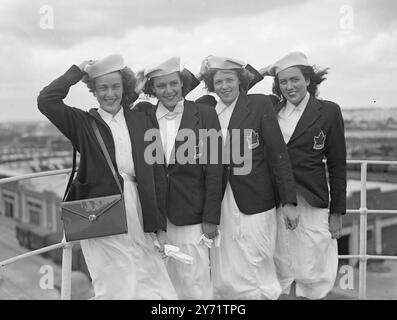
41	39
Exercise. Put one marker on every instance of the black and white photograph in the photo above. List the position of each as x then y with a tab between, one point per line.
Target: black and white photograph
207	152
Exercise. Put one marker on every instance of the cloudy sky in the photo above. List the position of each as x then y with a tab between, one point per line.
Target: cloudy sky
357	39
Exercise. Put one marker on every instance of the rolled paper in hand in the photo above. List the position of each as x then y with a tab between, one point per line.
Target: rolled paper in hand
175	252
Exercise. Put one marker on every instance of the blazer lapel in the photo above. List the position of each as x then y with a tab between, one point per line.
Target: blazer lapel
155	124
136	124
279	106
240	112
310	115
190	118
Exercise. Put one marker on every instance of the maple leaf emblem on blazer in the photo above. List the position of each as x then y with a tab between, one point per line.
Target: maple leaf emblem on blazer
319	141
253	139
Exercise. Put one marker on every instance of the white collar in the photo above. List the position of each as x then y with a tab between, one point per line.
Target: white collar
162	110
220	106
108	117
300	107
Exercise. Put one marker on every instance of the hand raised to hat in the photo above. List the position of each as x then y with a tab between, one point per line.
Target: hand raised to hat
85	63
265	71
140	81
203	69
210	230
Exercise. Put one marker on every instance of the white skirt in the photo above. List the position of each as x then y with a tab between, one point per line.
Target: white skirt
128	266
191	281
307	255
242	266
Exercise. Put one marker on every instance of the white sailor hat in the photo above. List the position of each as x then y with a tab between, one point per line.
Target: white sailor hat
295	58
215	62
114	62
167	67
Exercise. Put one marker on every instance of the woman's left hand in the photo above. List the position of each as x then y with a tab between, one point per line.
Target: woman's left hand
335	225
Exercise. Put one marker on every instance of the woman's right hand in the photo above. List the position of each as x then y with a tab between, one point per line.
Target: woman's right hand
85	63
265	71
140	81
203	68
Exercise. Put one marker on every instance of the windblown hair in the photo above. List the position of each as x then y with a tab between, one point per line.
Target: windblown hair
244	76
148	88
129	81
314	74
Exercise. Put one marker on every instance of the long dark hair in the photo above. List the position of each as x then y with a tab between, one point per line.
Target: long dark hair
315	75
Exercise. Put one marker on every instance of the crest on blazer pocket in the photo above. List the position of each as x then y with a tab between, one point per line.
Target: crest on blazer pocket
319	141
253	139
198	150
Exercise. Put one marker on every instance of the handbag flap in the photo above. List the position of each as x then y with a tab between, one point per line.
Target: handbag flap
94	206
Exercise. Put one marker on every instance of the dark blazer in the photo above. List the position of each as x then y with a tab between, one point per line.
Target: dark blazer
254	191
319	134
94	177
189	193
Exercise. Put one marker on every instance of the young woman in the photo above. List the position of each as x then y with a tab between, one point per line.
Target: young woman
190	193
125	266
242	266
313	129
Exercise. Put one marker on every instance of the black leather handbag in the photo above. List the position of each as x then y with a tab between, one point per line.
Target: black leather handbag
95	217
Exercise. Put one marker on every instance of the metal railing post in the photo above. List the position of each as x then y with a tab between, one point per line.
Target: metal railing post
362	289
66	286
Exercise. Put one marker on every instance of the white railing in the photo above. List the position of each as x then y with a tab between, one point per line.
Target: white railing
66	282
362	256
364	211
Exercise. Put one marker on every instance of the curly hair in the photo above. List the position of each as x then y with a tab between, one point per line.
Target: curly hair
312	73
243	75
129	81
148	88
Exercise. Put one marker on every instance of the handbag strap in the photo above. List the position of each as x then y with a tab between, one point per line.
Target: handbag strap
71	175
106	153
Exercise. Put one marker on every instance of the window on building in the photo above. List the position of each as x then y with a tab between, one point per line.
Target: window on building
35	209
9	205
49	220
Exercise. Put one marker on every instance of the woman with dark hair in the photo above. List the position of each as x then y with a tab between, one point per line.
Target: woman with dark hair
242	265
314	76
189	192
125	266
313	129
